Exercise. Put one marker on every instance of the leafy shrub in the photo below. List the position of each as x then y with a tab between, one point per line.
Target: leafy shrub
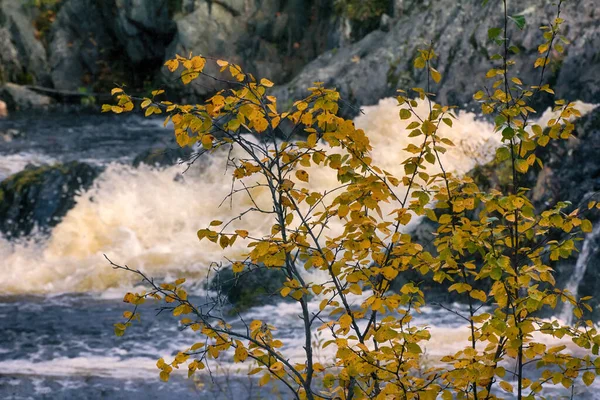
484	239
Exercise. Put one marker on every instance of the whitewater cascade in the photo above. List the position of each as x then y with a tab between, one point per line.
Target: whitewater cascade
147	218
589	248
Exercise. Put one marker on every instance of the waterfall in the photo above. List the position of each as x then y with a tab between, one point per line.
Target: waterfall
587	250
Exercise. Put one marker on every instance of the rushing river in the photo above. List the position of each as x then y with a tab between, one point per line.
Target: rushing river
59	297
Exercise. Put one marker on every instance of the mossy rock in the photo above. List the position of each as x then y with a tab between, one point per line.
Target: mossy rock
41	196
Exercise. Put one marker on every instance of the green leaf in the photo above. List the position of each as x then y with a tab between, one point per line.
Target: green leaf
519	20
405	113
493	33
496	273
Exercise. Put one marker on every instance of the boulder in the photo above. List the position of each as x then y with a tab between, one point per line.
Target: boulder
17	97
162	157
382	62
249	288
142	27
271	38
22	55
80	45
97	42
38	197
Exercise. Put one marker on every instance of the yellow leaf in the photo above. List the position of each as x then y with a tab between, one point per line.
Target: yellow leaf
266	82
264	380
345	321
588	378
302	175
172	65
437	77
254	325
164	376
237	267
207	141
241	354
478	295
506	386
115	91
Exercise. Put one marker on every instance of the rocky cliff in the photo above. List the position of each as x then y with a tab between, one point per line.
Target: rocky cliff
382	62
94	43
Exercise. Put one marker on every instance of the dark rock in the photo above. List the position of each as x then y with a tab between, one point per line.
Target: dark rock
22	55
94	40
249	288
79	45
162	157
380	63
142	27
38	197
272	39
20	98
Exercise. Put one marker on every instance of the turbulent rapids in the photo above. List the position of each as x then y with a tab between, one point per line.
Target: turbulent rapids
148	218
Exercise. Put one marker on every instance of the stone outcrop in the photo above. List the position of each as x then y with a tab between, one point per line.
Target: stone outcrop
22	56
38	197
382	62
17	97
93	40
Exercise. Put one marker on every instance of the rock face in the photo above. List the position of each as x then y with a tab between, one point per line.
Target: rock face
17	97
22	55
272	38
90	38
246	290
382	62
38	197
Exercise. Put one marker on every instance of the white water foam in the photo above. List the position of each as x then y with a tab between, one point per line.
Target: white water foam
13	163
148	218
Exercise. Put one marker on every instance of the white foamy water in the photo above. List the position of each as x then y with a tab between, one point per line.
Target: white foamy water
13	163
148	218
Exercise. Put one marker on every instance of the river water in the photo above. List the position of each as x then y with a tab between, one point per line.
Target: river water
59	297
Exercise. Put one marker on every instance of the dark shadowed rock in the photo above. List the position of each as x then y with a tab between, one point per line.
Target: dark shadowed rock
80	45
22	55
271	38
38	197
93	39
162	157
382	62
249	288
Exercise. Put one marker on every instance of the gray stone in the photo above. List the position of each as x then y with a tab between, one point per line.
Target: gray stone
22	55
379	64
18	97
90	38
79	45
271	38
38	197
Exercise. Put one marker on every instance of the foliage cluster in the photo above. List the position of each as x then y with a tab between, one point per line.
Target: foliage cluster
494	240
